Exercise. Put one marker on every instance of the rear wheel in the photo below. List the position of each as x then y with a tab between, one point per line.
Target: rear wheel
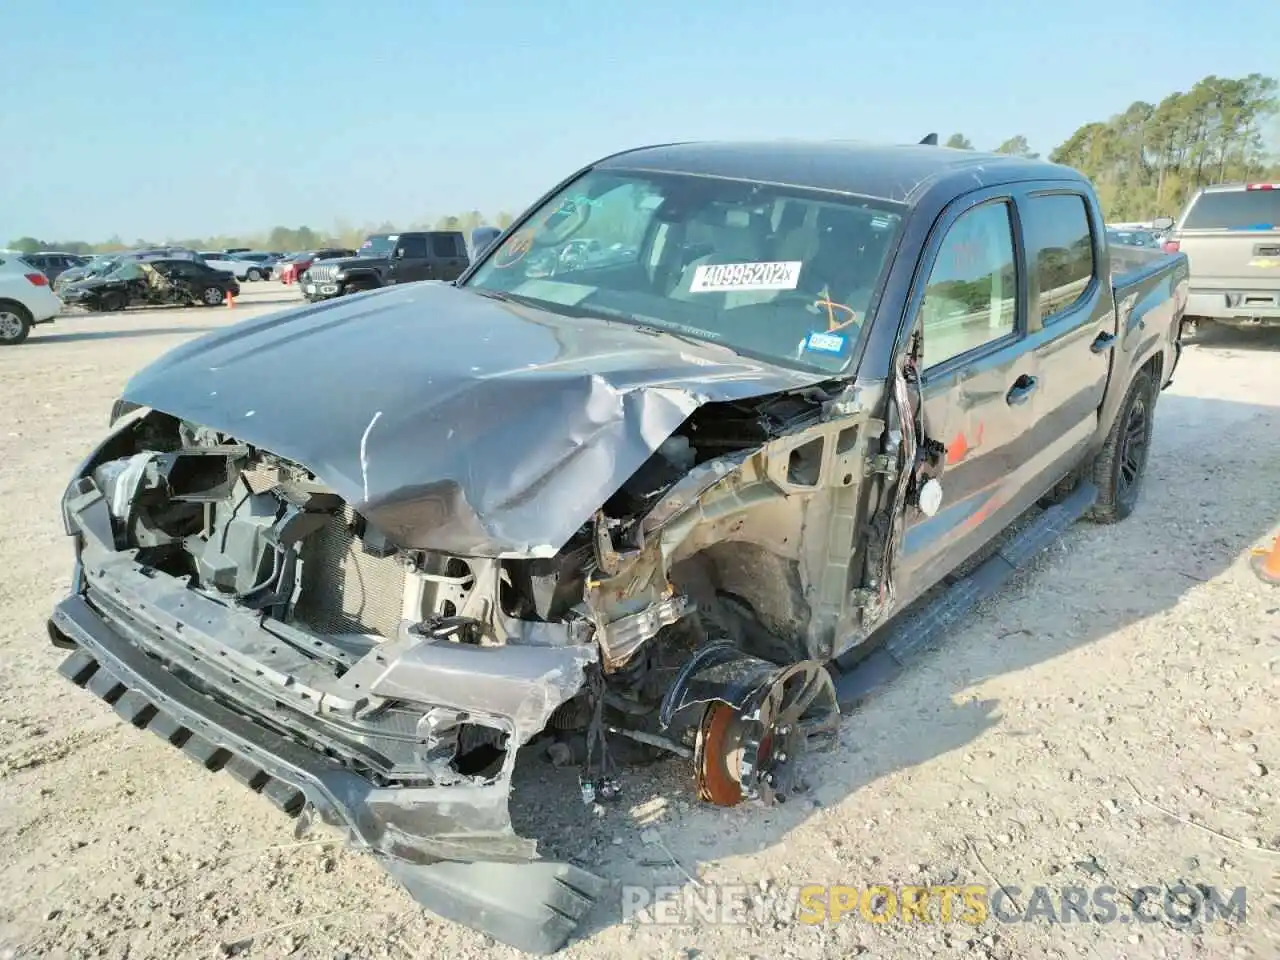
212	296
253	275
15	323
1120	467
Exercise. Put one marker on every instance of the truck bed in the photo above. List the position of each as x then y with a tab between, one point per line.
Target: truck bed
1149	285
1129	262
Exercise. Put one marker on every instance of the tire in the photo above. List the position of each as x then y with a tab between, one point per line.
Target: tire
212	296
15	323
253	276
1120	467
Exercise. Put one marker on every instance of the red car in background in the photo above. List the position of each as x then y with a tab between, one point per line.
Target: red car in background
291	270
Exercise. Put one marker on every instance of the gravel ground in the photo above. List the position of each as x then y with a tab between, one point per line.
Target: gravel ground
1108	719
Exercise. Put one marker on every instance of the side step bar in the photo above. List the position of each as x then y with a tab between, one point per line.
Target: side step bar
859	677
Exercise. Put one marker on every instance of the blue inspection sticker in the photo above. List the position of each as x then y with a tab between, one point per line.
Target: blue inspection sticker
818	342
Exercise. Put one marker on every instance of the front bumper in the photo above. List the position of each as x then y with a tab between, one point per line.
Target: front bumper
240	693
325	290
425	837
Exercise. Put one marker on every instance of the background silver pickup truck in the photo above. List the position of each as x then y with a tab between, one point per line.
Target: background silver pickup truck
1231	236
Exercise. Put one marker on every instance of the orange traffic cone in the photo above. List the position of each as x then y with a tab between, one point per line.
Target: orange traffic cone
231	301
1266	564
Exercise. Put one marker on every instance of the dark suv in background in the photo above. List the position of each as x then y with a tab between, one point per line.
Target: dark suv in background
51	263
389	258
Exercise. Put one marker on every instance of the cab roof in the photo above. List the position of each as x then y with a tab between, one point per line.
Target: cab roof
900	174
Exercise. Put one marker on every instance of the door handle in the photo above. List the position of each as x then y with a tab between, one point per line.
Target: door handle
1103	342
1021	390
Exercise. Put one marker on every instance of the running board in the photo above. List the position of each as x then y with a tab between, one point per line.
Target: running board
859	677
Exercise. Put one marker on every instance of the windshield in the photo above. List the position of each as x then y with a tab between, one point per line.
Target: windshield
1235	210
378	245
774	272
102	266
126	271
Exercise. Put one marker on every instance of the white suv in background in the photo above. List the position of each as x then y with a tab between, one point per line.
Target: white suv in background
25	299
230	263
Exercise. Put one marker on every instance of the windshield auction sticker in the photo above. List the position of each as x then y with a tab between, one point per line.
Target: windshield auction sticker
718	277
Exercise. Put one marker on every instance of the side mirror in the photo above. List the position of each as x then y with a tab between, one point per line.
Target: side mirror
1162	223
397	253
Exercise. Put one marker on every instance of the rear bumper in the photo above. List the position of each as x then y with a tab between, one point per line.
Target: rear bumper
43	304
1244	307
445	844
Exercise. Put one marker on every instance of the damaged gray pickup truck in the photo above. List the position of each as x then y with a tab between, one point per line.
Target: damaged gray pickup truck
661	467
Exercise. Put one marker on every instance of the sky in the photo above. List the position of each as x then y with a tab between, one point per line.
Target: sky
163	120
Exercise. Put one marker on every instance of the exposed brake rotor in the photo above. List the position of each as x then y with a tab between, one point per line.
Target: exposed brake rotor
750	751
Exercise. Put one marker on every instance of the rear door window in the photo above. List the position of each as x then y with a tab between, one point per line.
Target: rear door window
1059	251
1235	210
442	245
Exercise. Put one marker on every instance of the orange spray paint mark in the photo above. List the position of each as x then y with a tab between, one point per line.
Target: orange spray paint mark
830	306
960	445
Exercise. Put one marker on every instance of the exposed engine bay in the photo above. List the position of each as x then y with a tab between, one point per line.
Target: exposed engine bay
692	615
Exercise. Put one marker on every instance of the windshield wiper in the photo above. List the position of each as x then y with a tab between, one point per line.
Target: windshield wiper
645	324
654	327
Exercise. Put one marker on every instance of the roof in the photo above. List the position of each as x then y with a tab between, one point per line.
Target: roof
896	173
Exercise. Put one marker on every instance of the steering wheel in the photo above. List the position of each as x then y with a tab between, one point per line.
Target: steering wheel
573	256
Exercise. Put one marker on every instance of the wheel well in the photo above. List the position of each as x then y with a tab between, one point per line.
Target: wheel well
4	302
1155	365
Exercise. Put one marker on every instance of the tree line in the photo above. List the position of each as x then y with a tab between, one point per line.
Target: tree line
1145	162
281	239
1148	160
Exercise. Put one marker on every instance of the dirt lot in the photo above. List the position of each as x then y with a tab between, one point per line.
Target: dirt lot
1109	719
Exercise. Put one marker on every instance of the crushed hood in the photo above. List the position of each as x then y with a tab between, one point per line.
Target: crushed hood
453	421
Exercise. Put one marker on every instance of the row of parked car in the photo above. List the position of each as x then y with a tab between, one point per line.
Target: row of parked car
35	288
